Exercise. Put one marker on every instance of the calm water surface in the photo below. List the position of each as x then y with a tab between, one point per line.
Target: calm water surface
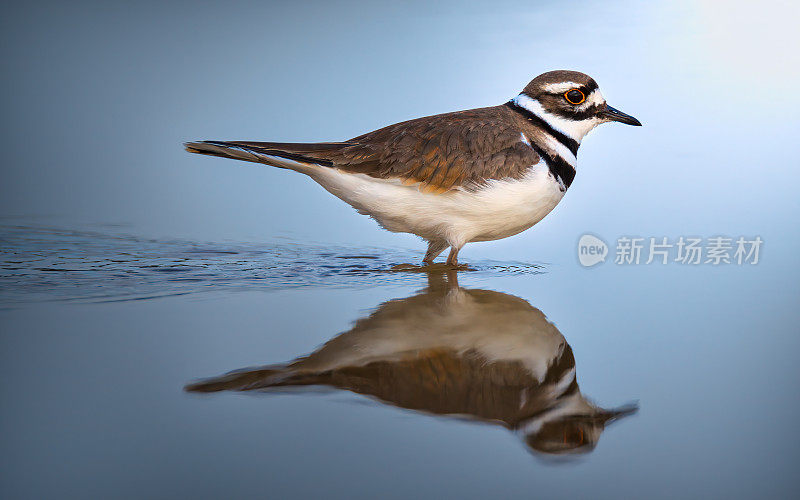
154	368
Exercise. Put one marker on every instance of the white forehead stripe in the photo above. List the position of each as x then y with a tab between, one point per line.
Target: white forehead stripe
574	129
561	87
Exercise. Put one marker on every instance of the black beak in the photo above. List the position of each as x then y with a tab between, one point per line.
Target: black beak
615	115
607	416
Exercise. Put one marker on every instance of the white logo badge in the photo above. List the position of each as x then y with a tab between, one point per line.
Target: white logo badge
591	250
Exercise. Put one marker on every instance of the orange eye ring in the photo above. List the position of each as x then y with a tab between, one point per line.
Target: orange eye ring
572	100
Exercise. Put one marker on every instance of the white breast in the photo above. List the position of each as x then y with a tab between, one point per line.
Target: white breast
499	209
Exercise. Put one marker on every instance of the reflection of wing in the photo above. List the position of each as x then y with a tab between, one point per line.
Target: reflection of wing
452	351
450	383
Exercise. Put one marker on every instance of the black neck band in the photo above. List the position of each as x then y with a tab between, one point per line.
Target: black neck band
568	142
558	166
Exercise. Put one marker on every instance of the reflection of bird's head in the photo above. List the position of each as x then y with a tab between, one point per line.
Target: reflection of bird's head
572	433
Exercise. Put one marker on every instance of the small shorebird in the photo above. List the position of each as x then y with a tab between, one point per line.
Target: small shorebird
450	351
475	175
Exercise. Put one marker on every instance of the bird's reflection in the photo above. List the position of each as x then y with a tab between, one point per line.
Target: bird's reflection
451	351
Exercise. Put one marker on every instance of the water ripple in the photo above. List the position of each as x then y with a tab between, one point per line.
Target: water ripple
39	263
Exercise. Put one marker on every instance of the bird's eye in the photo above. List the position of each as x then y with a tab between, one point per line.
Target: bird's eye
574	96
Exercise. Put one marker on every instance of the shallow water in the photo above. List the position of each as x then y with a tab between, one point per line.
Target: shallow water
44	263
260	374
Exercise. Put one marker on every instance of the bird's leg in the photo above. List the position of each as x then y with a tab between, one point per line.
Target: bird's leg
434	249
452	259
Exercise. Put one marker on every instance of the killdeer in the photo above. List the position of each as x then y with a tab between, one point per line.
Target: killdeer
456	352
475	175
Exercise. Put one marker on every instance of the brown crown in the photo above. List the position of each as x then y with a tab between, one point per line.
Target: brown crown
536	86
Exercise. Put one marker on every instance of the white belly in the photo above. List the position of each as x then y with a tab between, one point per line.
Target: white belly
500	209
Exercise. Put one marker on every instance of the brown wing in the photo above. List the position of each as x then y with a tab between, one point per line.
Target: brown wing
442	382
440	152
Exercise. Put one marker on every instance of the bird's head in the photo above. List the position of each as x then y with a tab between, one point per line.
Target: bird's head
570	102
565	433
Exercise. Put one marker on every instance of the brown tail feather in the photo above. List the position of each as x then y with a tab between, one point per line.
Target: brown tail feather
259	379
271	153
236	381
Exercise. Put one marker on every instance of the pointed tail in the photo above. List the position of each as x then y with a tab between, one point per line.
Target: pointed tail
241	380
293	156
267	377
